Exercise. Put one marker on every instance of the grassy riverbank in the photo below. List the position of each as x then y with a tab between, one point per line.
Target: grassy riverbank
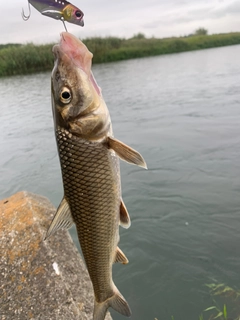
23	59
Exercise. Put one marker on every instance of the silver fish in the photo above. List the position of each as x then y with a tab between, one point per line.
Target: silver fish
89	157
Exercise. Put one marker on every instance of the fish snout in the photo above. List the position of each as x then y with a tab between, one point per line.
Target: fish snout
61	58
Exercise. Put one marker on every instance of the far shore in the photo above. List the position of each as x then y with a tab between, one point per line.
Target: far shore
17	59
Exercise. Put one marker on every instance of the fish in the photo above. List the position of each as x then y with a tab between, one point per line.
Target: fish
57	9
89	158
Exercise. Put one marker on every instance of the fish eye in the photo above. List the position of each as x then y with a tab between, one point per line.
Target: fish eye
65	95
78	14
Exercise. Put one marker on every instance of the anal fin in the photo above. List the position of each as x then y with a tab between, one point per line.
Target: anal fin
125	220
126	153
62	219
120	257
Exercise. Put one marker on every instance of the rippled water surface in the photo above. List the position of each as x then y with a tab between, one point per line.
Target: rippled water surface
182	112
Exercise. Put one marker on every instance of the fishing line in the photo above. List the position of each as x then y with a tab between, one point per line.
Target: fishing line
62	19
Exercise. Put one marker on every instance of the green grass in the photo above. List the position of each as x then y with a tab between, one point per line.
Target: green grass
114	49
23	59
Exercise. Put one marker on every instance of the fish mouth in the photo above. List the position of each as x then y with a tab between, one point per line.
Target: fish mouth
73	48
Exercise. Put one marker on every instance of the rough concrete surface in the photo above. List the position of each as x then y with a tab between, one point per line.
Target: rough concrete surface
39	279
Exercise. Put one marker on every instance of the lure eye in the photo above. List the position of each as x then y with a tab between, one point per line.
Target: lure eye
65	96
78	14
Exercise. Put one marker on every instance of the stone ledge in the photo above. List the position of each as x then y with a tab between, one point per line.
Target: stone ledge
39	279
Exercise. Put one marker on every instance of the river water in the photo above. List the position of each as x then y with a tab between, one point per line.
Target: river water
182	112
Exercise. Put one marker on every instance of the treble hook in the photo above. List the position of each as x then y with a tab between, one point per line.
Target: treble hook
25	18
62	19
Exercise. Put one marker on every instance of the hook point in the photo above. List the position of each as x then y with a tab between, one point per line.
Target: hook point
26	17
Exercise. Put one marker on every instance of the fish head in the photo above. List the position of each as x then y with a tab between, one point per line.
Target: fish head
77	101
73	15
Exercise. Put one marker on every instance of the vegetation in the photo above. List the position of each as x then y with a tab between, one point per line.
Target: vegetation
201	32
2	46
222	296
139	36
29	58
25	59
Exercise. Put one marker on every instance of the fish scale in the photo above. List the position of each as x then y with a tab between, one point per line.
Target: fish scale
93	194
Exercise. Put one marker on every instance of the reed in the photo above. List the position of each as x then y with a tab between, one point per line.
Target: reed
23	59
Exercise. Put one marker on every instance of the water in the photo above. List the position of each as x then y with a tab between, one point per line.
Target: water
182	113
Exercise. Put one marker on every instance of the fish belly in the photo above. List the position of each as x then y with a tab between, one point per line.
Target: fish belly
91	180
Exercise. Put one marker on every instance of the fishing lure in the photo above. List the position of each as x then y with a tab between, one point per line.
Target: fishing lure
56	9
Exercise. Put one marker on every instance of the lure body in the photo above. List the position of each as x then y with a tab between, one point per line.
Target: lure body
59	10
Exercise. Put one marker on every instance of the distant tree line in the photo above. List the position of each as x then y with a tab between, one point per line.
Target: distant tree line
198	32
201	32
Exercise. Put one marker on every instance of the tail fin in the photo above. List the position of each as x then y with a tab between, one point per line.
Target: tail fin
100	310
117	302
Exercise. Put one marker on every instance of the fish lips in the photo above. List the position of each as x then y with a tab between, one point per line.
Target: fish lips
72	49
58	54
64	66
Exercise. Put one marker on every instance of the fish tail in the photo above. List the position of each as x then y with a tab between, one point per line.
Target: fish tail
117	302
100	310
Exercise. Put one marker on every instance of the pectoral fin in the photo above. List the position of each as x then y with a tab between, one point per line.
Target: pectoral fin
62	219
120	257
126	153
125	221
